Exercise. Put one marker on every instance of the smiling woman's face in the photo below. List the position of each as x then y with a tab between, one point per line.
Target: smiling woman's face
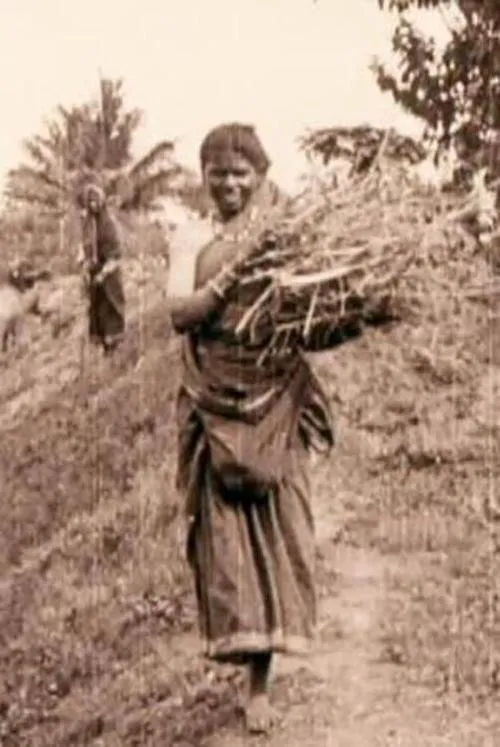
231	180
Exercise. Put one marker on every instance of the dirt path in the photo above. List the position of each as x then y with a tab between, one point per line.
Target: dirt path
349	693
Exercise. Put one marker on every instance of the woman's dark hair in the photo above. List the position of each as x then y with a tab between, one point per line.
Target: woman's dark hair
237	137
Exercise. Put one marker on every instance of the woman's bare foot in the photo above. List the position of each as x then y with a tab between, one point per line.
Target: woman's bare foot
260	716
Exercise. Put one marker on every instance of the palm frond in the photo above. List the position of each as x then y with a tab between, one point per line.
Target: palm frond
145	191
39	153
23	173
160	155
34	197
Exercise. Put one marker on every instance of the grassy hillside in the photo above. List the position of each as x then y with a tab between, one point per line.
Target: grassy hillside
97	622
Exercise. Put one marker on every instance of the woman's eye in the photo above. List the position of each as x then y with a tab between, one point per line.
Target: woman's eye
236	174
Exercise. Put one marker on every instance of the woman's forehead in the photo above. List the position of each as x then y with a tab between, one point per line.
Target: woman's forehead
228	160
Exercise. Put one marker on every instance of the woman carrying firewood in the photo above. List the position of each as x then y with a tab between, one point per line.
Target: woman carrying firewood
100	258
245	435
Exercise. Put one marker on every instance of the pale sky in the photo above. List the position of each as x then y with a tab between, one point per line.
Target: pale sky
284	65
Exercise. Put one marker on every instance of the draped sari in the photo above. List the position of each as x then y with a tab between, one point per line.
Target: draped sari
101	248
245	433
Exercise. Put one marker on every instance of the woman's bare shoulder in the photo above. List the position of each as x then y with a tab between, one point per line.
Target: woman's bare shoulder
191	236
185	246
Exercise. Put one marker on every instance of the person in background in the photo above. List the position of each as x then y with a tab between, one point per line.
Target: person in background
245	436
100	258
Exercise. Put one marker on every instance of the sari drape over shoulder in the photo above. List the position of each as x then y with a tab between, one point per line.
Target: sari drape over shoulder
244	436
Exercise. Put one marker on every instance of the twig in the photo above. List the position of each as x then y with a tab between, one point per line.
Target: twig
254	308
310	313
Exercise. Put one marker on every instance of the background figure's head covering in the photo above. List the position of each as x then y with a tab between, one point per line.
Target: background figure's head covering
87	185
95	191
237	138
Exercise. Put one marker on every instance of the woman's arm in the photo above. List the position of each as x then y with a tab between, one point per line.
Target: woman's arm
108	237
110	248
190	306
189	311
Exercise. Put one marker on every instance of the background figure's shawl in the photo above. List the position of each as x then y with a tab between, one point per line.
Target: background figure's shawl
101	245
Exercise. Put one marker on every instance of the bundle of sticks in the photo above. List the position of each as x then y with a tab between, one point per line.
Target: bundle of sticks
334	260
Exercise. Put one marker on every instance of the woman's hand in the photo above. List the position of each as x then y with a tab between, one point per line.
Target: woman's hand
80	256
189	306
190	310
222	283
109	267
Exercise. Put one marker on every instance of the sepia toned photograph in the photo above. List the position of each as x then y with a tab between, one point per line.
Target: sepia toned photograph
250	373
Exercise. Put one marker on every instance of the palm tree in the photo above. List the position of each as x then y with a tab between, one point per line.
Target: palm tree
94	141
91	141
